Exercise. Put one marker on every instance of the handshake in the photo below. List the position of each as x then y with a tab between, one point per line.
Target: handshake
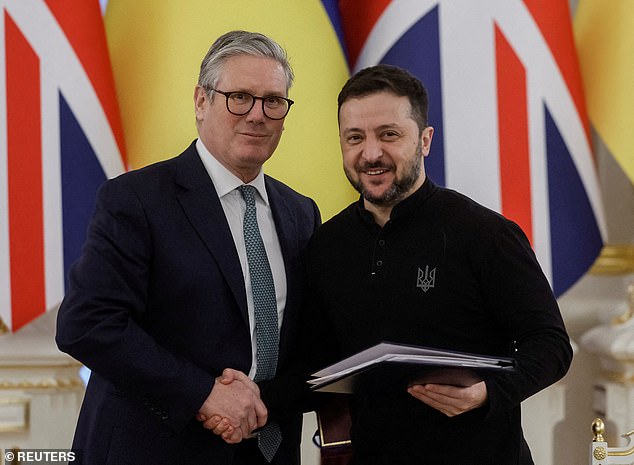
233	409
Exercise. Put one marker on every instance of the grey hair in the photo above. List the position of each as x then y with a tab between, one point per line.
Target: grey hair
237	43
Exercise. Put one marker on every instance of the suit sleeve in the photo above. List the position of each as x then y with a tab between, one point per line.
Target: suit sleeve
98	321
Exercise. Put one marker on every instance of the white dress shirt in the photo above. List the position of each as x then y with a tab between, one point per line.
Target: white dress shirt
227	184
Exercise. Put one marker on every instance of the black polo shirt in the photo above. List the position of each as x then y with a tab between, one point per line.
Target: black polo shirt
444	272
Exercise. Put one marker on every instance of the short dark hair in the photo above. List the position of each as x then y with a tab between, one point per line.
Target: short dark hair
392	79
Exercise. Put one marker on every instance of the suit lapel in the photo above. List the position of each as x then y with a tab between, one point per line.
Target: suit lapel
286	228
201	205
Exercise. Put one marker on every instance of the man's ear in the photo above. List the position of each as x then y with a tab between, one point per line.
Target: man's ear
201	98
425	139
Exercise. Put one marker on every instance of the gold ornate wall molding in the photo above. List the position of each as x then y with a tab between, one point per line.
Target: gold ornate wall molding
18	418
40	388
615	259
42	383
51	374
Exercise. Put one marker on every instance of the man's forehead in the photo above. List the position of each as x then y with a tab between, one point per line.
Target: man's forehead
371	127
375	112
246	71
376	102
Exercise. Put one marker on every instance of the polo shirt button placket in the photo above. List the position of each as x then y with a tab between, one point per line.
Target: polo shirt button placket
378	259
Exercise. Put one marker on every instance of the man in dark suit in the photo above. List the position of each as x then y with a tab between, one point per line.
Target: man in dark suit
164	297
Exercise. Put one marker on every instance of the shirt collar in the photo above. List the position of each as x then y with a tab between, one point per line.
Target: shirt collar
405	207
224	180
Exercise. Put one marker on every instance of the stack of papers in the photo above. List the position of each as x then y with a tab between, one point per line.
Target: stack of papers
387	366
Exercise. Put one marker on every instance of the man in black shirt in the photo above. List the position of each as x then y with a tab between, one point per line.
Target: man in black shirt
414	263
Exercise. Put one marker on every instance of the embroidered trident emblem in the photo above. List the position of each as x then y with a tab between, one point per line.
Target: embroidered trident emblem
426	279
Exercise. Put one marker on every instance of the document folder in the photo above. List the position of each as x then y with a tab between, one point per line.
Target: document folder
388	366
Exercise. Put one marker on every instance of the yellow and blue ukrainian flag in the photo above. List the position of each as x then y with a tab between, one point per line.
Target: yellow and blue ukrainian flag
156	48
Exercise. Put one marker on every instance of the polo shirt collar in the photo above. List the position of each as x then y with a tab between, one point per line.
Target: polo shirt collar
404	208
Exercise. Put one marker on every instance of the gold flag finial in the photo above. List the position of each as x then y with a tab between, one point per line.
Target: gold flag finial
598	429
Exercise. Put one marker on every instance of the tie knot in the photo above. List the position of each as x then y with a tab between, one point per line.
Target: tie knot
248	194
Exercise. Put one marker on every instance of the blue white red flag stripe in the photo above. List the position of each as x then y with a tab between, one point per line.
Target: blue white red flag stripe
515	187
24	148
61	137
507	105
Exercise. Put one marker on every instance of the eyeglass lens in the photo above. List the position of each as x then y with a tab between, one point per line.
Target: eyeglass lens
240	103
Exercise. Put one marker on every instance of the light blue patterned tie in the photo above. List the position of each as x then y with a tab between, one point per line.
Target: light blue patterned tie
265	308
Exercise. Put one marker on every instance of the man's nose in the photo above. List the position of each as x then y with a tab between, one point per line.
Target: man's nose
373	150
257	112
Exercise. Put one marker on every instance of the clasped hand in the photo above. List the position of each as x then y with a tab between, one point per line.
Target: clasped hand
450	400
233	409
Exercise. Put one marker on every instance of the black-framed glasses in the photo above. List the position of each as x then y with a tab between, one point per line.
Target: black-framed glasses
241	103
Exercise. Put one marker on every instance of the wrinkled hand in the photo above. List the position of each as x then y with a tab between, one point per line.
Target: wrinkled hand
234	408
450	400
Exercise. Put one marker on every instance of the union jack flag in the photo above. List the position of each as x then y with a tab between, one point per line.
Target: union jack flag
60	138
506	102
